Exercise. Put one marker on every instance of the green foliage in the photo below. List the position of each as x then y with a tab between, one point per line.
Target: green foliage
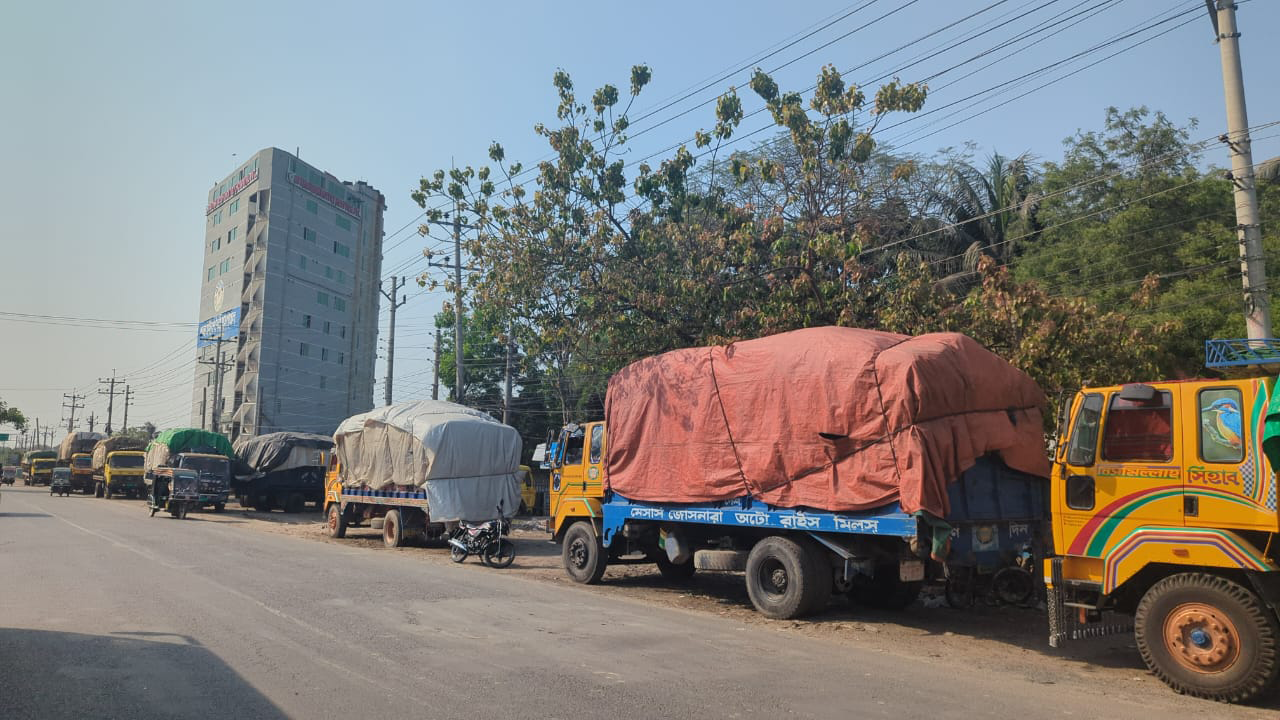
10	415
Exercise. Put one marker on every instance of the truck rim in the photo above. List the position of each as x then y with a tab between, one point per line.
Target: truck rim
333	520
1201	638
578	553
773	577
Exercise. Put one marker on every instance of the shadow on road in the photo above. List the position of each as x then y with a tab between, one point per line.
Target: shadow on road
47	674
24	515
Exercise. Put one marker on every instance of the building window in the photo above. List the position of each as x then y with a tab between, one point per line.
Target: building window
341	249
225	267
217	244
302	262
339	304
235	204
328	272
231	236
326	327
342	331
308	234
342	278
304	349
312	207
306	321
341	358
324	353
217	218
322	298
341	221
211	272
322	378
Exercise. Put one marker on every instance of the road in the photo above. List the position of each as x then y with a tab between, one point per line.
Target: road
106	613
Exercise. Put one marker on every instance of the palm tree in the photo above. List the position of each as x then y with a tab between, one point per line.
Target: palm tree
989	212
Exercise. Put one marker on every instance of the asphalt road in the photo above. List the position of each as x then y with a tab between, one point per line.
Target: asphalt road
107	613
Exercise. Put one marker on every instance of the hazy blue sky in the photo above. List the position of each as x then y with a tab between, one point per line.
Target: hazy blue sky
118	117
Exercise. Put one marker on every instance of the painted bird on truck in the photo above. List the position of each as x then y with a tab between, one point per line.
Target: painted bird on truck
1222	422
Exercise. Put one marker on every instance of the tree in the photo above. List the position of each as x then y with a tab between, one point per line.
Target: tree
990	212
12	416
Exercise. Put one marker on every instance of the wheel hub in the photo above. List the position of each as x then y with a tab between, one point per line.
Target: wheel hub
1201	638
578	554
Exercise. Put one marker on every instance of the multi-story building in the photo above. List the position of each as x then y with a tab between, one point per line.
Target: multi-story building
289	299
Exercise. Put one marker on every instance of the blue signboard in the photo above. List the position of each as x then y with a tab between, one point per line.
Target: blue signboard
224	325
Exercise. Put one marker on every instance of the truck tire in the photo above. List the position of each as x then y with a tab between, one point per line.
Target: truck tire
781	578
98	490
294	503
336	522
582	555
392	529
110	493
1209	637
823	577
219	507
720	560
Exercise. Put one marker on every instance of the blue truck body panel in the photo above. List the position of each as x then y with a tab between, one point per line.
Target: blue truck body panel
996	513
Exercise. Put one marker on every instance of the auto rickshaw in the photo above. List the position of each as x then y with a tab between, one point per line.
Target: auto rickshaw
175	490
60	484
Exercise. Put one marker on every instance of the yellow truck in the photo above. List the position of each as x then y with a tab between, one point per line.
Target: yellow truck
38	465
82	473
1164	510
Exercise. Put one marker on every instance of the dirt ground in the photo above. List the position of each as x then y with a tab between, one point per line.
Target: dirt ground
1004	640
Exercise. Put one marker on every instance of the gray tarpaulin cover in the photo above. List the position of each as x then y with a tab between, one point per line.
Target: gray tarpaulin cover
282	450
464	459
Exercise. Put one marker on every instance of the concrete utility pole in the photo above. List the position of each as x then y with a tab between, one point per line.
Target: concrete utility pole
435	382
1257	306
391	336
220	366
73	406
92	421
111	396
38	435
127	394
457	304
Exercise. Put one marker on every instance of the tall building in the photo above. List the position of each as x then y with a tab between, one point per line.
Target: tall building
288	300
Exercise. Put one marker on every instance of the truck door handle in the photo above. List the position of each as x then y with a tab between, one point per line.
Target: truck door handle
1190	505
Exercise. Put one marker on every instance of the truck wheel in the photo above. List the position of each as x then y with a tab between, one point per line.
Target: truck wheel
1207	636
246	502
781	578
219	507
392	529
582	555
336	522
823	574
672	571
294	503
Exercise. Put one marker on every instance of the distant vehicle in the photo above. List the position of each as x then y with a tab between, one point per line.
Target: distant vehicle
207	453
118	467
42	471
60	482
175	490
73	452
283	470
9	474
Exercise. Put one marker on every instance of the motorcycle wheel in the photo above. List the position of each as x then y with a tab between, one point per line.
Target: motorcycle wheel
499	554
457	554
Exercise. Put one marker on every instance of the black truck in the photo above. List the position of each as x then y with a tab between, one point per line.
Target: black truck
283	470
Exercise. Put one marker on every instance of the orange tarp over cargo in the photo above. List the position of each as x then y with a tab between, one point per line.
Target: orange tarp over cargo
828	418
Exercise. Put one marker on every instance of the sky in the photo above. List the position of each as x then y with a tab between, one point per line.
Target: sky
120	116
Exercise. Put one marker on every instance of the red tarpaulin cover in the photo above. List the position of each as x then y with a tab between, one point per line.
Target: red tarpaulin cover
829	418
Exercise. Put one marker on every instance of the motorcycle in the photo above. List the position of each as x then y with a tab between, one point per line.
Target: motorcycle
484	539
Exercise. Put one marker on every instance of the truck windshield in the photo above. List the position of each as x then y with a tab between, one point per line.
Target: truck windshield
82	462
212	466
126	461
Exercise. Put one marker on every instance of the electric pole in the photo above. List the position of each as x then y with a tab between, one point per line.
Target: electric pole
38	436
111	396
92	421
1257	307
219	367
73	406
457	304
391	337
435	382
127	394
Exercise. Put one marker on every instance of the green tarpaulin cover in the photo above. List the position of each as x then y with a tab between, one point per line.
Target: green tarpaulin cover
188	439
1271	430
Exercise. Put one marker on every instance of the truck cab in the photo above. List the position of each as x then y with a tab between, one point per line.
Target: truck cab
215	477
82	472
577	475
121	474
1164	509
42	471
